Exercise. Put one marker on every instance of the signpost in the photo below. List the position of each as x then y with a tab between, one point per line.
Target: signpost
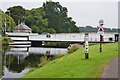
86	46
101	33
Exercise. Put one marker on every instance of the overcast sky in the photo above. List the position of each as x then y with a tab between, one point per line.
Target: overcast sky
83	12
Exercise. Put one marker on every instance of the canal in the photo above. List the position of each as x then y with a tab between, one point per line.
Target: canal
19	60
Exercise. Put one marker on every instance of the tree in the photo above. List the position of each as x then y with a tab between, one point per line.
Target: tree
57	18
10	24
35	29
17	13
50	30
51	17
92	29
35	17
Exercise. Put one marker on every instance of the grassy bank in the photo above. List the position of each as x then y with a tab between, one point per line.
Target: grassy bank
75	66
0	56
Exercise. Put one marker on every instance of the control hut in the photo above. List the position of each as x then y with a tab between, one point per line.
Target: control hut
22	28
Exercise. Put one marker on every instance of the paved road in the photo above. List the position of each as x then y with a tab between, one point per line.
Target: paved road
111	70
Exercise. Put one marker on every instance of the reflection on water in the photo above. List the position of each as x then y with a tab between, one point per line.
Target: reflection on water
11	74
18	61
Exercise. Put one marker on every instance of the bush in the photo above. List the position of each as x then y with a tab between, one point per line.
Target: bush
57	44
73	48
6	41
43	60
59	55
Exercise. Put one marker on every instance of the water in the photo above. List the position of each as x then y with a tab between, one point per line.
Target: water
18	61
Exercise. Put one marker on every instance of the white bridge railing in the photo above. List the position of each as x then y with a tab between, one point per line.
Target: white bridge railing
75	37
21	34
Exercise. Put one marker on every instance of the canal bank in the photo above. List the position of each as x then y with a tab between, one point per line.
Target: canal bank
0	56
75	66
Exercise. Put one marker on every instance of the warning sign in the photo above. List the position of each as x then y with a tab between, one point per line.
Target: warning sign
100	30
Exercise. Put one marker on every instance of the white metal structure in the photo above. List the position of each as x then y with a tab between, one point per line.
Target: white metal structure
69	37
72	37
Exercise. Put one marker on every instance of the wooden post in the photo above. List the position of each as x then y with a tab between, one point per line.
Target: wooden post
101	32
101	43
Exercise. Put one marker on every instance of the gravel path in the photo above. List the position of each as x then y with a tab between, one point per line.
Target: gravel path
111	70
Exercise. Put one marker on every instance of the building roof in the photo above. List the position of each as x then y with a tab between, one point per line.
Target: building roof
22	26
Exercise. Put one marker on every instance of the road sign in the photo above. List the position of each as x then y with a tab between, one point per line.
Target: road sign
100	31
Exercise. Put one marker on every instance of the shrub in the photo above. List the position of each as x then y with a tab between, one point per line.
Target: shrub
73	48
58	55
6	41
43	61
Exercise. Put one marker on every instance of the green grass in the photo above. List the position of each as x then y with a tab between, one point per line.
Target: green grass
0	43
75	66
0	56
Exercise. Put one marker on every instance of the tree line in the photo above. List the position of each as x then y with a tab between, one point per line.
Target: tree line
95	29
52	17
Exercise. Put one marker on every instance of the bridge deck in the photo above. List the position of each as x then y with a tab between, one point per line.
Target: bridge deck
69	37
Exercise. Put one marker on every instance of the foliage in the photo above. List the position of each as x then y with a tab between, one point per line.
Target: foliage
35	29
35	19
51	18
18	13
75	66
58	55
10	24
1	72
57	44
57	18
6	40
73	49
43	60
5	43
92	29
1	57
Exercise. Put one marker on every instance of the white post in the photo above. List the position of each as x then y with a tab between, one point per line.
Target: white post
86	46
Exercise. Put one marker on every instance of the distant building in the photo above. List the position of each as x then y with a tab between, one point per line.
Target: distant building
22	28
